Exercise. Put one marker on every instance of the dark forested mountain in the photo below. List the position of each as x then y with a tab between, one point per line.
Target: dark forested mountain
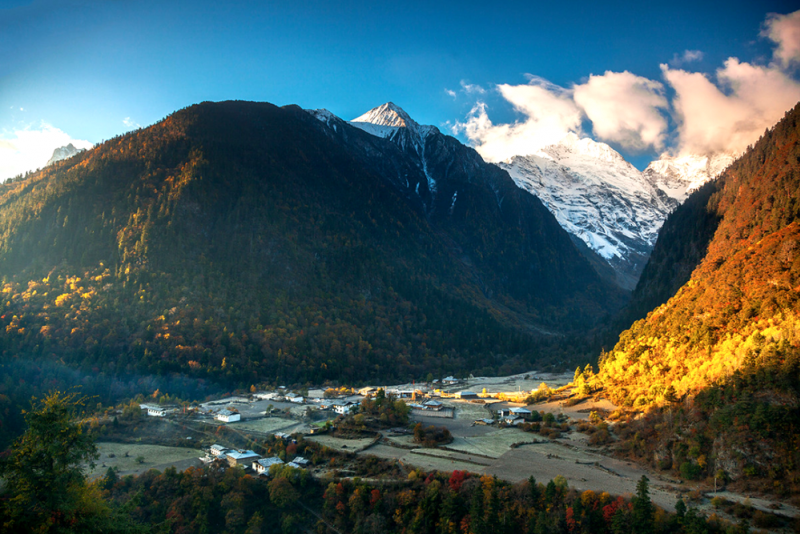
728	338
245	242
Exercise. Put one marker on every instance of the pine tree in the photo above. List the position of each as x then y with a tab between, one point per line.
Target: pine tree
643	512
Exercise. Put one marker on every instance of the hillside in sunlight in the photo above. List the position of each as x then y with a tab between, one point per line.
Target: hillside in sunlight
724	351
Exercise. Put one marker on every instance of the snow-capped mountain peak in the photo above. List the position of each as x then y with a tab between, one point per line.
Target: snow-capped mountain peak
597	196
388	114
386	119
678	176
63	152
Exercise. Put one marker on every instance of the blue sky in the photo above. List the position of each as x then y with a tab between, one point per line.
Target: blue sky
95	69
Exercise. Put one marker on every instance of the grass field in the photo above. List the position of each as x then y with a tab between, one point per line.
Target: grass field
267	425
155	457
494	444
341	444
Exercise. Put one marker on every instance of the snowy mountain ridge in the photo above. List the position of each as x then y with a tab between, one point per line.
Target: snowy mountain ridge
598	197
678	176
62	153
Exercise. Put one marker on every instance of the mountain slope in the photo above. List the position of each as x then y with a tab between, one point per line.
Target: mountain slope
598	197
729	336
242	242
459	193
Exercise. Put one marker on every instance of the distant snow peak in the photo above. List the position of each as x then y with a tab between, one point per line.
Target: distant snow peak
597	196
388	114
389	118
678	176
62	153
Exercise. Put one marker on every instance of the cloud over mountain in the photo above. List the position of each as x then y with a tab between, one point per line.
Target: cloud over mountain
724	112
550	114
31	147
731	114
624	108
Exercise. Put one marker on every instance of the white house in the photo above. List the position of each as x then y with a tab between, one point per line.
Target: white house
218	451
449	381
243	458
227	416
513	420
262	466
291	397
343	408
156	411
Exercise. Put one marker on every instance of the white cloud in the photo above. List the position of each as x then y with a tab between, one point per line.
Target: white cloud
728	116
713	114
450	93
784	30
469	88
624	108
30	148
549	114
688	56
130	123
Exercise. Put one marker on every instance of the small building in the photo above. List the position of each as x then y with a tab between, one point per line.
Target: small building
432	405
156	411
521	412
449	381
228	416
262	466
218	451
299	463
467	395
517	412
266	395
316	393
298	399
242	458
344	407
513	420
367	391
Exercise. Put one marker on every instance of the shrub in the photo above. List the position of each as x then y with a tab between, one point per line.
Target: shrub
690	471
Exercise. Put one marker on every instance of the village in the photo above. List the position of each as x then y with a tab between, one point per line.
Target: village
489	418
